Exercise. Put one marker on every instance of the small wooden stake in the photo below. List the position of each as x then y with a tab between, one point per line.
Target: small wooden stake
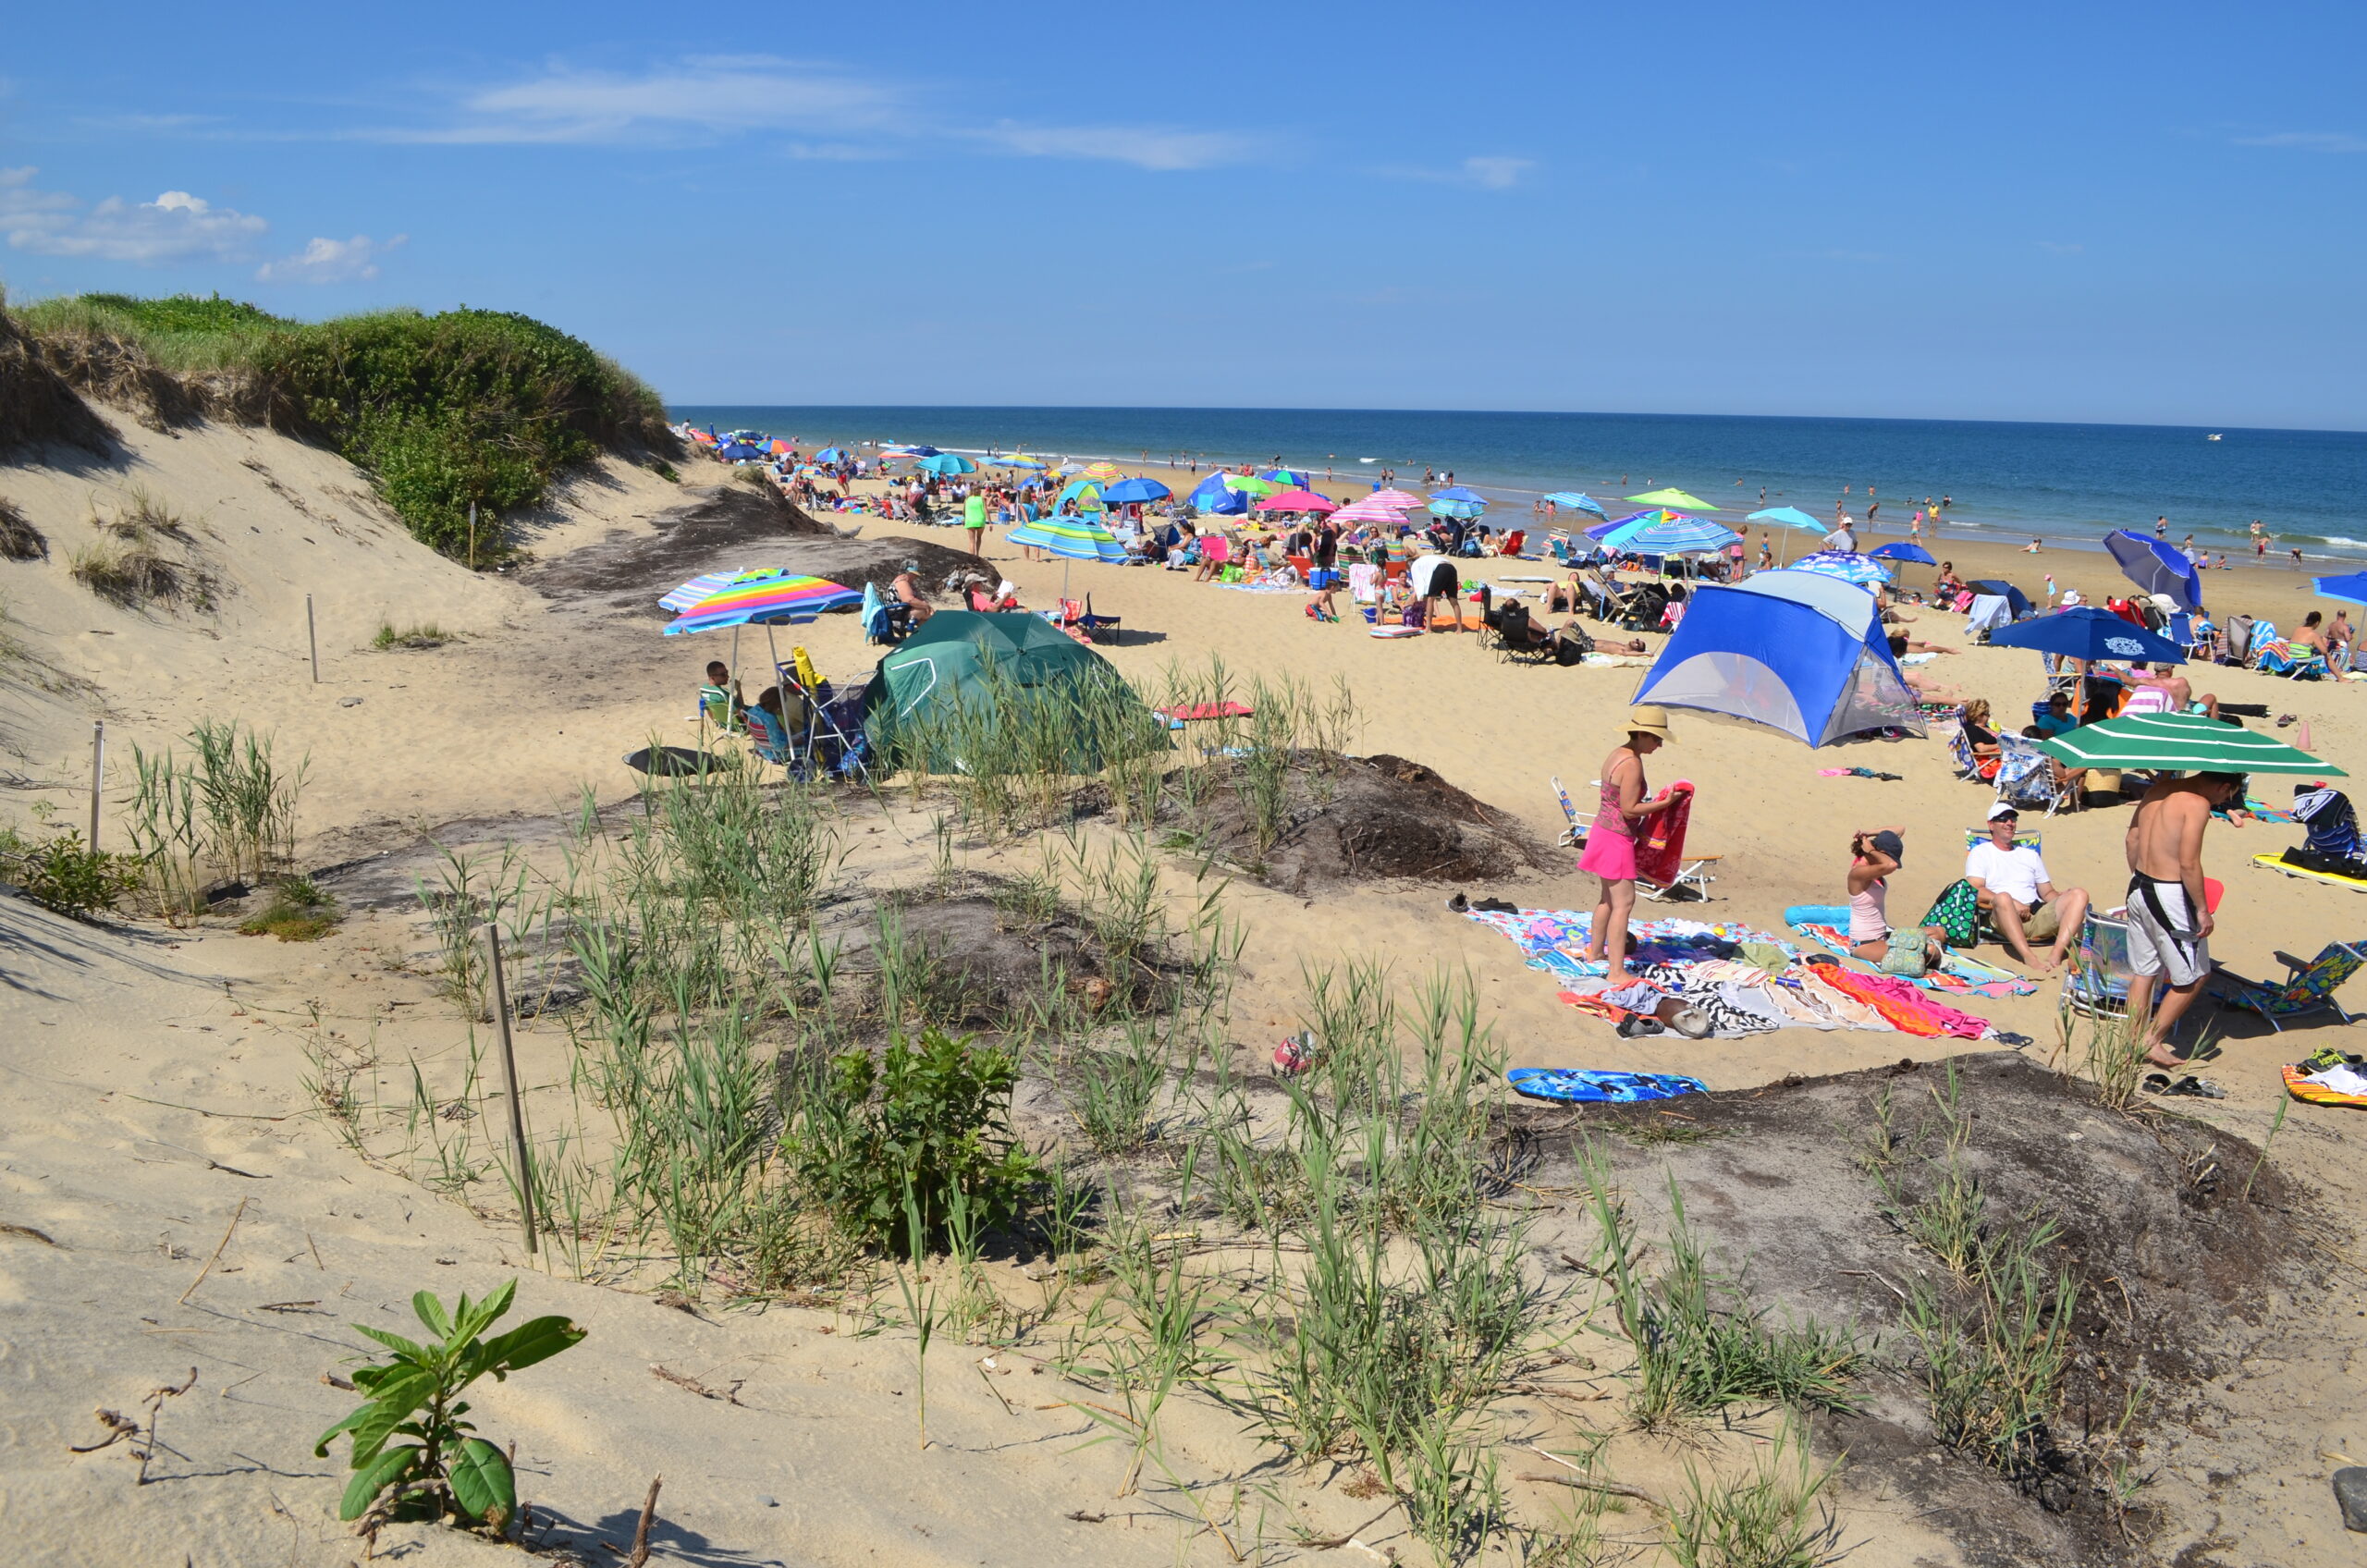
472	536
217	1255
98	771
509	1079
639	1557
313	639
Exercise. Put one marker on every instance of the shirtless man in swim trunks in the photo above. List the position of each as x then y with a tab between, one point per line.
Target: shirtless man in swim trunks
2169	926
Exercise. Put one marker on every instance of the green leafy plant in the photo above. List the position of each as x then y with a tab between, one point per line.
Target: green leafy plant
933	1118
412	1452
60	874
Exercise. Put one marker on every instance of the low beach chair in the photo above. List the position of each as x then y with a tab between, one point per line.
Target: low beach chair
1100	627
2026	774
2306	987
1519	640
2099	983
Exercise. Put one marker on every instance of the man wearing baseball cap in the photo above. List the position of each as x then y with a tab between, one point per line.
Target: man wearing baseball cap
2017	896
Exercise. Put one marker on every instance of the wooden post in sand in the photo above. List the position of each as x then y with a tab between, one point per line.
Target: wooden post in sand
472	536
510	1082
313	639
98	771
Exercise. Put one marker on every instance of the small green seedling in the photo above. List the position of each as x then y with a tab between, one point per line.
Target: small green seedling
415	1395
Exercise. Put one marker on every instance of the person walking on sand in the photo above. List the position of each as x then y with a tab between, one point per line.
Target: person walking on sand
1611	840
2169	922
973	519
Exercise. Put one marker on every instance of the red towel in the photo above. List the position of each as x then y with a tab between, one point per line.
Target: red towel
1659	852
1205	710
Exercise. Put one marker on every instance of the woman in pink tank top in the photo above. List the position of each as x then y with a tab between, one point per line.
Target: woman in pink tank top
1873	856
1611	841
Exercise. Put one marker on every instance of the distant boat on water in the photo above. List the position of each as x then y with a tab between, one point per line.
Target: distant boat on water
2211	438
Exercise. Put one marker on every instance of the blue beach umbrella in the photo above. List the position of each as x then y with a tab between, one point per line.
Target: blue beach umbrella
1017	462
1846	565
1458	493
1903	550
915	451
1578	501
1134	492
1790	516
948	462
830	455
2156	568
2353	588
739	452
1677	534
1457	509
2085	632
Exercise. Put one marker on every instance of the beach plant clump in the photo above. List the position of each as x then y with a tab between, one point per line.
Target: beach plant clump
225	809
19	540
1699	1346
412	1450
62	874
141	555
298	912
445	410
426	634
893	1147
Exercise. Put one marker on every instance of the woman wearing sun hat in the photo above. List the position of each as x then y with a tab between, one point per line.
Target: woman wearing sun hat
1611	841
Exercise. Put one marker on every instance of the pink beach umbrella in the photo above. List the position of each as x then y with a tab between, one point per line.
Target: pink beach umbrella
1297	501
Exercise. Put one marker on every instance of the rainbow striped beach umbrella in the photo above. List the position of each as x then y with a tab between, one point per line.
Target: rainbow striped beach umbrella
1103	470
767	601
1071	538
709	583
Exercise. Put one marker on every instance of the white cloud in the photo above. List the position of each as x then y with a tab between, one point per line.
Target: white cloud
330	261
705	100
1145	147
176	226
1496	173
1484	173
696	100
2309	141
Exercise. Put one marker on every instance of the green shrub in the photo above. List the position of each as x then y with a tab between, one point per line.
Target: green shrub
446	410
63	875
932	1120
414	1394
298	912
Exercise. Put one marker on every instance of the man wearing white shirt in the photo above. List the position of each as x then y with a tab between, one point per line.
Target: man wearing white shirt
1842	538
2017	896
1430	579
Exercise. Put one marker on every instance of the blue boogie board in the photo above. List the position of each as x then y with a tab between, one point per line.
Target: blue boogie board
1584	1085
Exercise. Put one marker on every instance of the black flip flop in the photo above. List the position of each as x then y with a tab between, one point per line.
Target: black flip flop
1459	905
2198	1088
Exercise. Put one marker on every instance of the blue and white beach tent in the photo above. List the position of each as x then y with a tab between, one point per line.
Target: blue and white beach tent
1792	650
1211	496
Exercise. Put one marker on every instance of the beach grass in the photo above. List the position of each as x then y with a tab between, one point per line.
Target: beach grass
19	540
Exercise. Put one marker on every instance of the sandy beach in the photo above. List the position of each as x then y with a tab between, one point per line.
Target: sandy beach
166	1080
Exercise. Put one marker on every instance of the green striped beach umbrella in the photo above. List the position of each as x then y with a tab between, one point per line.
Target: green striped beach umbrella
2185	741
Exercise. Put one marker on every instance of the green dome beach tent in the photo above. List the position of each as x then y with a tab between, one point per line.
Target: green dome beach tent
1674	500
966	685
2185	742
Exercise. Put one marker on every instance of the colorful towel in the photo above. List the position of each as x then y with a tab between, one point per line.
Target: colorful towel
1659	852
1262	585
1908	1009
1586	1085
1204	710
1959	975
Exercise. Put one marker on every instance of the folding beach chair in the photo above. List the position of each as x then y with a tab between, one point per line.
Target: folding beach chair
2025	773
1519	640
1100	627
1691	879
2306	987
2099	983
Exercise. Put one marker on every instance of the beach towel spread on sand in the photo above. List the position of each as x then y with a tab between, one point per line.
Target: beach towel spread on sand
1582	1086
1828	925
1746	981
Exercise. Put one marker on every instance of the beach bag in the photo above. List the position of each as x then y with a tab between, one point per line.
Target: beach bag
1956	912
1908	955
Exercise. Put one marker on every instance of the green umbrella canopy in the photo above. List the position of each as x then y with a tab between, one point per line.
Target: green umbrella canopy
965	676
2188	742
1675	501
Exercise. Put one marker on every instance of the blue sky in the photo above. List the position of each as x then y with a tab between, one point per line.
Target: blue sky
2065	212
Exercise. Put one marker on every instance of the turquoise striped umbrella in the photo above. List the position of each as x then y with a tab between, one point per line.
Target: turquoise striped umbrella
2188	742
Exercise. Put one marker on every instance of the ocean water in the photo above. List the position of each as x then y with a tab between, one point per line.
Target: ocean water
2067	483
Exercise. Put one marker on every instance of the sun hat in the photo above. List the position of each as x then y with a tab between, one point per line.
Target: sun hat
2004	809
2163	602
2071	596
1650	719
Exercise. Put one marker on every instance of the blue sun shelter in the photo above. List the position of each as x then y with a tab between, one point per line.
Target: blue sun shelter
1795	651
1210	497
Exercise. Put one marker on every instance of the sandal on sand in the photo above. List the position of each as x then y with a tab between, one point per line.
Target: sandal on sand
1459	905
2187	1085
1693	1023
2286	719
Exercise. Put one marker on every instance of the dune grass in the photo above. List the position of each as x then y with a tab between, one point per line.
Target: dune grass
19	540
426	634
461	407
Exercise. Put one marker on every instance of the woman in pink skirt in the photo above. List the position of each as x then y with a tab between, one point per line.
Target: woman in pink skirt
1611	841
